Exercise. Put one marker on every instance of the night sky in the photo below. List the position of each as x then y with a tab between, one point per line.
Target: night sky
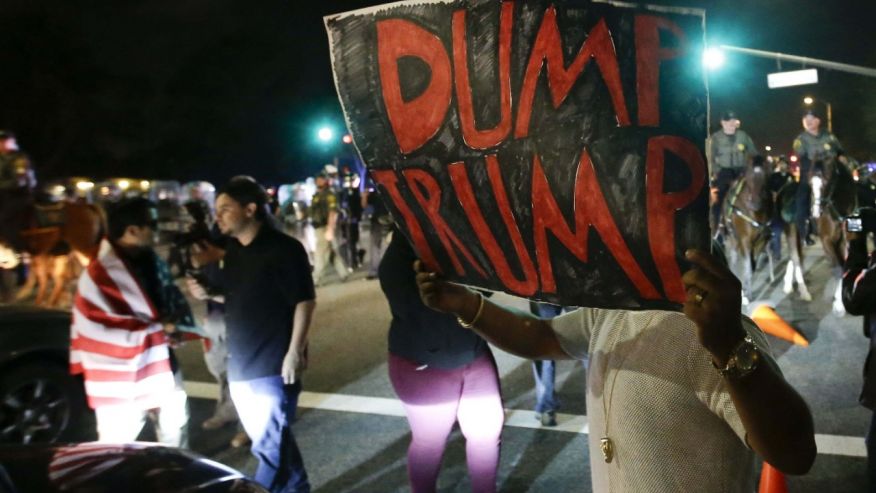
192	89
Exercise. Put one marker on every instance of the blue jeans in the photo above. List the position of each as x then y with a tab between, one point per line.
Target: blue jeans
777	226
546	399
544	372
267	409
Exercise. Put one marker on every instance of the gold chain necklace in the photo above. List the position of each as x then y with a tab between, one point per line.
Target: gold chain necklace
605	442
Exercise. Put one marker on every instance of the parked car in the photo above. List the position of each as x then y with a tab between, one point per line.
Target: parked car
109	468
39	400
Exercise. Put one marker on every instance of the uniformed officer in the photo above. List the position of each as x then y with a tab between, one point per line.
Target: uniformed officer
324	211
730	149
812	147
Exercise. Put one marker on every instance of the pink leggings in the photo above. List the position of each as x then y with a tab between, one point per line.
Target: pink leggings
434	400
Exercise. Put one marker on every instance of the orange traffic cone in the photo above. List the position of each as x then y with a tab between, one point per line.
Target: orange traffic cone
770	322
771	480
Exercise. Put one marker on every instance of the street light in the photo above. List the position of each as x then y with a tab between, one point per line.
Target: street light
325	134
768	148
808	100
713	58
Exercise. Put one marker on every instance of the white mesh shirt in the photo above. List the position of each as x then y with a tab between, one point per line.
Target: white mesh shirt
672	423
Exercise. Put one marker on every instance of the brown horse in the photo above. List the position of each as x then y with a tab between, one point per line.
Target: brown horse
835	196
747	210
64	238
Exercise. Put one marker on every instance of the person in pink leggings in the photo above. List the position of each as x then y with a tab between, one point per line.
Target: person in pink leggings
443	373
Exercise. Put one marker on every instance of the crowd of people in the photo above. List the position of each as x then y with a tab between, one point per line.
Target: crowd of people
329	223
440	364
676	401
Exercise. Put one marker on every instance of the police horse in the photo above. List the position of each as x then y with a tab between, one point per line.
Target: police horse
835	196
746	213
786	200
61	239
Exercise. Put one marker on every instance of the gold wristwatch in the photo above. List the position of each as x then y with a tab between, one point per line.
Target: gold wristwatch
743	360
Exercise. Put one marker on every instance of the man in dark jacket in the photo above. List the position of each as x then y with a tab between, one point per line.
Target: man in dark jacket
265	283
859	298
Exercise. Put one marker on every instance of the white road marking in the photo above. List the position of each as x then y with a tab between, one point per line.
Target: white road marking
569	423
840	445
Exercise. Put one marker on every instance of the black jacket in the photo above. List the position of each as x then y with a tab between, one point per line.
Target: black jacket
859	298
417	332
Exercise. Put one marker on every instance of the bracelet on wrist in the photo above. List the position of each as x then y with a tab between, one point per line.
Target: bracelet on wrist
469	325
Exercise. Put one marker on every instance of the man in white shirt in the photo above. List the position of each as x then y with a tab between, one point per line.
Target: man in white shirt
676	402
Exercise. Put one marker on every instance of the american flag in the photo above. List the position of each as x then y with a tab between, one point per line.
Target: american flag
71	466
116	339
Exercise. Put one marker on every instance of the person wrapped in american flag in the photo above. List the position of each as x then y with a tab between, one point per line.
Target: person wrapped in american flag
127	315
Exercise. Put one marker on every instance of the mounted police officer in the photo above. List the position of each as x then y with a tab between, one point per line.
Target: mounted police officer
730	149
812	147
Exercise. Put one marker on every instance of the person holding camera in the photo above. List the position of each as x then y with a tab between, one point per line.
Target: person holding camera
859	298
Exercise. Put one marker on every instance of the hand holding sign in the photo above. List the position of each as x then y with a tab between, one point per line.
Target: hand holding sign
441	295
714	303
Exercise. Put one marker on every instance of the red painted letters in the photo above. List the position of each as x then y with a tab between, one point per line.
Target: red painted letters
419	118
662	206
590	210
474	138
462	185
419	180
548	50
649	54
389	181
413	122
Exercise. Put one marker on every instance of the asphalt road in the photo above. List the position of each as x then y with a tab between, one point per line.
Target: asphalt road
353	435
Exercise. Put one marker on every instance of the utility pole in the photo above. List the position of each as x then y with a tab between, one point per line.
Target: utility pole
805	61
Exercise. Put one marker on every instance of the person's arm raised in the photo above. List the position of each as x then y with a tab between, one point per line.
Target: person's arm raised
515	332
778	423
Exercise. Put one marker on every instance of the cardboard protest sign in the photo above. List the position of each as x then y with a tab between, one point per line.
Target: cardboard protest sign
552	150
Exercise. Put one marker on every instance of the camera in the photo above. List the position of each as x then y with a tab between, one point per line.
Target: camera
864	221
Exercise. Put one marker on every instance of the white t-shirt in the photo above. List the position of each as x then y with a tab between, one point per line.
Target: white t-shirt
672	423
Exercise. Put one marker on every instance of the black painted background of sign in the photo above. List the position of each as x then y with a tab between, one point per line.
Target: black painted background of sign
585	120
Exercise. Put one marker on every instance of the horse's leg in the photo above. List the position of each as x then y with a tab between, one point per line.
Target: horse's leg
801	284
788	288
27	288
790	234
41	271
837	270
748	271
59	278
798	269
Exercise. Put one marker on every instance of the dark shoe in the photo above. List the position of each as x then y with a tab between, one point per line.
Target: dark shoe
547	419
809	241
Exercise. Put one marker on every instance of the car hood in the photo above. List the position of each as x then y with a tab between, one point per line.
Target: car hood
128	468
13	315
